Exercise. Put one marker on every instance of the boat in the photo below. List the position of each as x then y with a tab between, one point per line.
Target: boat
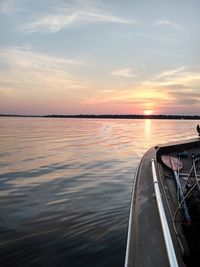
164	220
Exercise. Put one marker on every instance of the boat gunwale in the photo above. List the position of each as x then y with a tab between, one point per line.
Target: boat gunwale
156	152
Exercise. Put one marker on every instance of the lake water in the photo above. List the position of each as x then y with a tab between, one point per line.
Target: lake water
65	187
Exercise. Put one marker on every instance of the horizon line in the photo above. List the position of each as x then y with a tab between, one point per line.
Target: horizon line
114	116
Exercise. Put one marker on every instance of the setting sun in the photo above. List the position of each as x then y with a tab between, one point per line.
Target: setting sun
148	112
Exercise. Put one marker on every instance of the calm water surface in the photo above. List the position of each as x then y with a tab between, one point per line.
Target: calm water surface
65	187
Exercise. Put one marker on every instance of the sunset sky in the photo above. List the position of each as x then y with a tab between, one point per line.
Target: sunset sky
100	57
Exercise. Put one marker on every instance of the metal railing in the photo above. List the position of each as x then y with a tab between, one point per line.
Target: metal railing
165	228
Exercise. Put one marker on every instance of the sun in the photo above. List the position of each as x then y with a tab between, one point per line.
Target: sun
148	112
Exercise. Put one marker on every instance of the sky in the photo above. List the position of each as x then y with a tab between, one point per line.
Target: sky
99	57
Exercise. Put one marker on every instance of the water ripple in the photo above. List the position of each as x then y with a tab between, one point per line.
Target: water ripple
65	187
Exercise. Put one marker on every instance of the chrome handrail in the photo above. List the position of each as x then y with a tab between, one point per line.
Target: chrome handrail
165	228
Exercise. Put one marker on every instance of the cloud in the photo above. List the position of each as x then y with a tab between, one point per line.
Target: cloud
170	24
27	58
187	98
137	95
169	73
180	76
179	88
30	71
54	23
37	83
180	85
126	73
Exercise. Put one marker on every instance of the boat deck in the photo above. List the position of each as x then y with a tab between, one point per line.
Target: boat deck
191	241
146	247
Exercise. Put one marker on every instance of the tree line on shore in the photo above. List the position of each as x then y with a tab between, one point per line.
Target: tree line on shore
128	116
111	116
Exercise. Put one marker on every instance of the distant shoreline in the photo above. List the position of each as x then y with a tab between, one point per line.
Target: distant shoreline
107	116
